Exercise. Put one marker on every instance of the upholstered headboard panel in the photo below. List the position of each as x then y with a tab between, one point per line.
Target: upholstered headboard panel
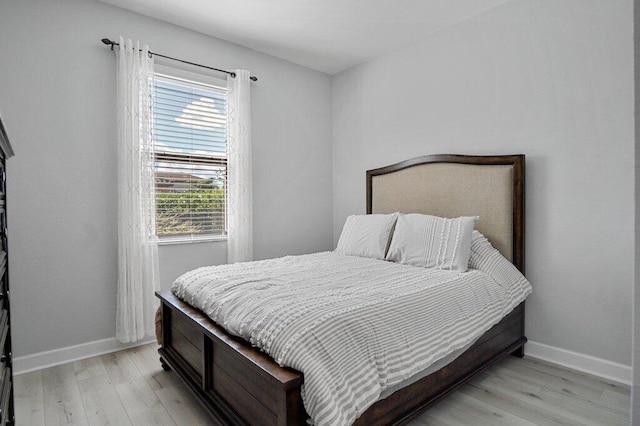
456	185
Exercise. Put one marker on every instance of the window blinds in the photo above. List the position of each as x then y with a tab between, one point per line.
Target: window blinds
190	135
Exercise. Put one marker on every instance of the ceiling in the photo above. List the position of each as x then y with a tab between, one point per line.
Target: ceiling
326	35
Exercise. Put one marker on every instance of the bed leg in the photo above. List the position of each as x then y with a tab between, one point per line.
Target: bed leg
519	352
165	366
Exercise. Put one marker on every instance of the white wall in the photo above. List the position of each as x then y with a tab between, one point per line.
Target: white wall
550	79
57	87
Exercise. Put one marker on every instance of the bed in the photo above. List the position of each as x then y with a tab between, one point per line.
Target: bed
241	385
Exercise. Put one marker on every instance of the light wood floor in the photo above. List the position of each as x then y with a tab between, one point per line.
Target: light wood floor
130	388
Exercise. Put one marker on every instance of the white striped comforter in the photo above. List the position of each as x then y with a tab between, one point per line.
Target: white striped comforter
355	326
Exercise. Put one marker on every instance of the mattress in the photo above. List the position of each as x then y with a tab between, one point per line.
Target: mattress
357	328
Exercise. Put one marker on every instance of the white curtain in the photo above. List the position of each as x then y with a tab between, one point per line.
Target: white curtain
137	240
240	198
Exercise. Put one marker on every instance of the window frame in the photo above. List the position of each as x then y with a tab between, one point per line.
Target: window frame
164	70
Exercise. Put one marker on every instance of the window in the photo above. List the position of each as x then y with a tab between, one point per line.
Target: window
190	137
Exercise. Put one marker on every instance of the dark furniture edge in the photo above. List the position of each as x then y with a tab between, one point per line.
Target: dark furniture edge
4	142
7	410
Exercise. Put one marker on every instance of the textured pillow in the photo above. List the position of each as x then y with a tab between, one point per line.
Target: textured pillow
366	235
432	242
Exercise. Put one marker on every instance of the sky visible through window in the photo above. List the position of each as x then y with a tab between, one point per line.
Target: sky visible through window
189	118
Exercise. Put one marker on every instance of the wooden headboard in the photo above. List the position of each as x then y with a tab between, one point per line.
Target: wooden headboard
491	187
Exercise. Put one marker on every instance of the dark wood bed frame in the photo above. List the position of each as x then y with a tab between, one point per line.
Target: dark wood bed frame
240	385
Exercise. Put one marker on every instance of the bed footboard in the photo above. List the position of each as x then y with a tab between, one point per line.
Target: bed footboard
237	384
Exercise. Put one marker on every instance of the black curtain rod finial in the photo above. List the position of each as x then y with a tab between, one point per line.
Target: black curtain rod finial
108	42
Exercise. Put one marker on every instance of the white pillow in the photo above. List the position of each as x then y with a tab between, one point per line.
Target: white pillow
432	242
366	235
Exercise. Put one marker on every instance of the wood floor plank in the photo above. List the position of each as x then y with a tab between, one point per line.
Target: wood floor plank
184	409
534	382
517	407
525	370
563	380
427	420
142	404
569	374
89	367
597	408
147	360
524	386
120	367
62	401
454	415
572	412
102	403
490	414
616	400
29	399
569	387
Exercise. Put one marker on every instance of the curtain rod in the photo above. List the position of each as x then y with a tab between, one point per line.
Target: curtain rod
231	73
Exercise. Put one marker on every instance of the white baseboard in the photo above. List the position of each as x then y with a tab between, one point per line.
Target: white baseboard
28	363
586	363
596	366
